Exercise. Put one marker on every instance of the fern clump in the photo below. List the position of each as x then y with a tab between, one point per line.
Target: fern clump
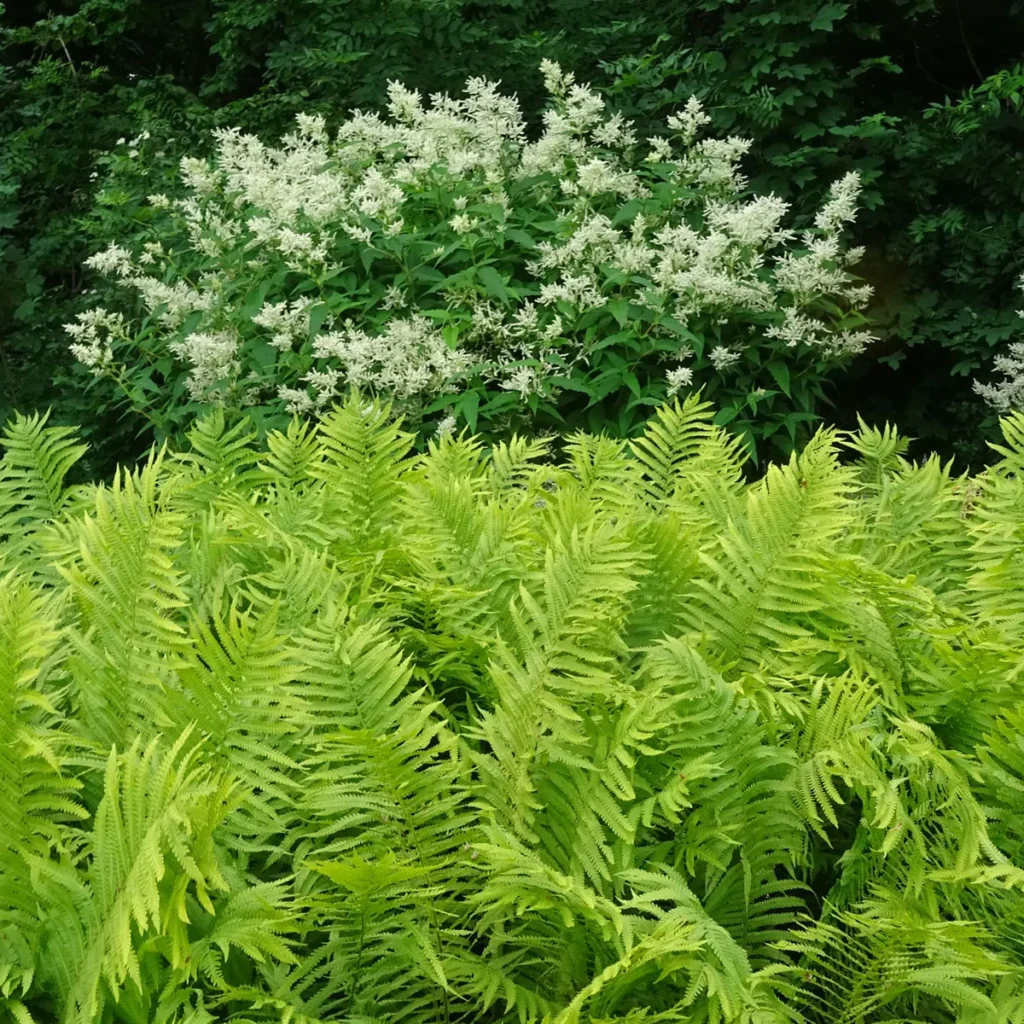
327	730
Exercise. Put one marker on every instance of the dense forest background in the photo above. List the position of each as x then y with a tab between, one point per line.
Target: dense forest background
924	97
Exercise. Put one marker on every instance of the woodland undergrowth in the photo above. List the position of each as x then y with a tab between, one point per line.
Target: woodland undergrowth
331	730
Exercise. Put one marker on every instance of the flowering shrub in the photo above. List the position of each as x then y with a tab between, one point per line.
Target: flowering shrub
1007	394
475	275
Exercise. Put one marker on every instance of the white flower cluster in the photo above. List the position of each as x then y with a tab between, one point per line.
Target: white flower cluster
173	302
112	260
1007	394
722	357
799	329
678	378
446	427
212	361
288	320
92	335
133	144
523	379
323	207
408	358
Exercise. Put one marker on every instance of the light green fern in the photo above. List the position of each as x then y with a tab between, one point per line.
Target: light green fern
328	730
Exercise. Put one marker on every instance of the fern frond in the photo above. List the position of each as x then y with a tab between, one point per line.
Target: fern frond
256	921
717	776
888	960
761	590
235	688
833	751
604	473
510	463
386	818
881	451
471	552
220	459
658	604
36	792
363	451
333	731
128	591
997	552
1012	428
913	524
675	435
292	455
141	831
36	459
1002	789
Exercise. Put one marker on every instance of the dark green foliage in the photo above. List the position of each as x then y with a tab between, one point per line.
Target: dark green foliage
923	96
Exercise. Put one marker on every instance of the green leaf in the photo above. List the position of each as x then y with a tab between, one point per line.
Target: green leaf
263	353
318	314
468	407
365	877
627	212
573	384
677	328
493	283
714	61
524	238
827	15
426	273
780	371
190	323
499	403
254	299
618	338
619	308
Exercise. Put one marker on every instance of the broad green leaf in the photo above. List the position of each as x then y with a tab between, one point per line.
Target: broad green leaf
493	282
780	371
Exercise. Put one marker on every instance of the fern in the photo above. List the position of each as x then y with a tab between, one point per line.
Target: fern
328	730
156	807
36	459
676	436
762	588
127	589
362	451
